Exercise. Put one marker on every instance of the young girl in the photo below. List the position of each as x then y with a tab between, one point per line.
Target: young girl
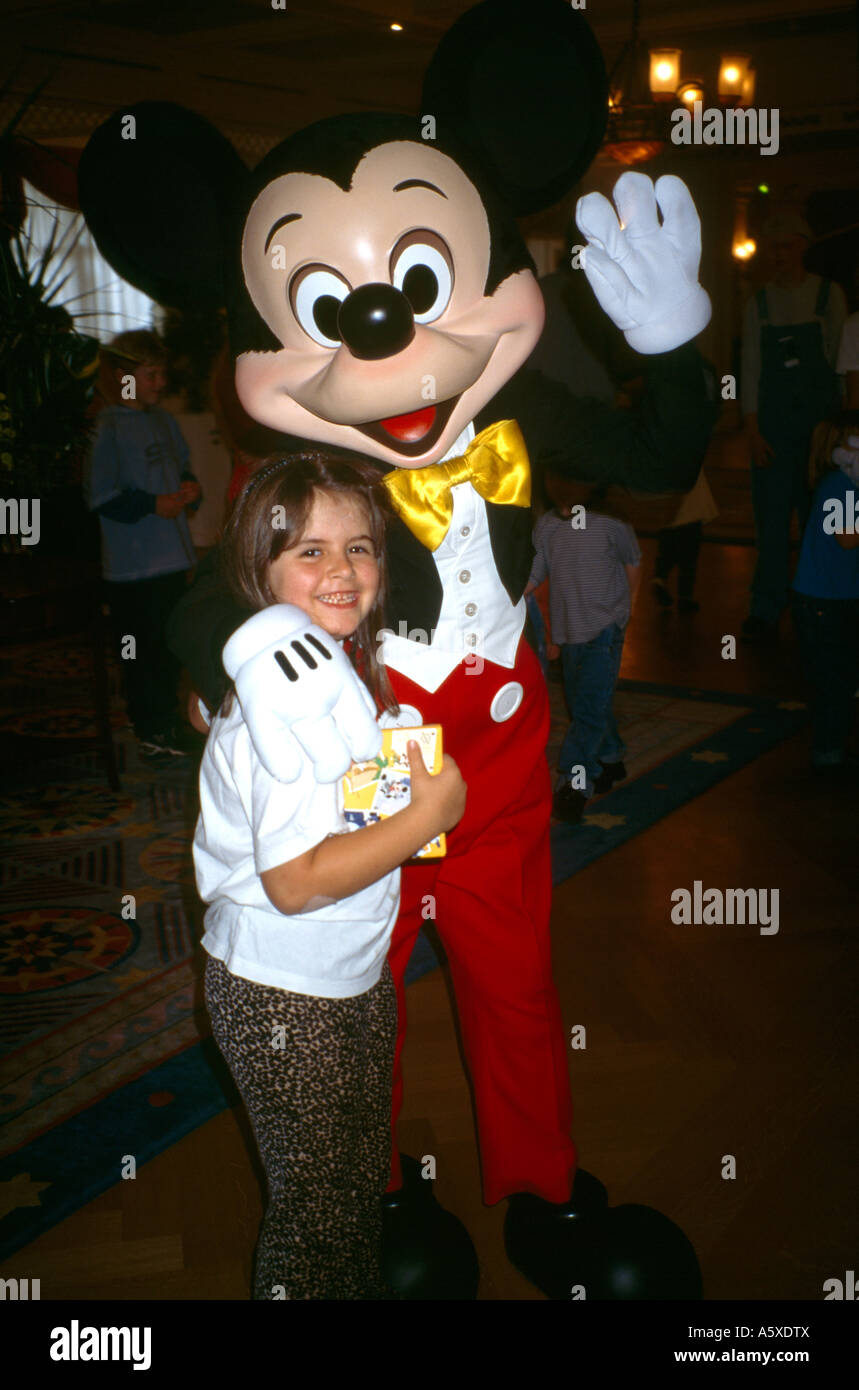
826	590
300	912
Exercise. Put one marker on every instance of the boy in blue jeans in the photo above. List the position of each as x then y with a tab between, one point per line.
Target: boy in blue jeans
593	565
139	483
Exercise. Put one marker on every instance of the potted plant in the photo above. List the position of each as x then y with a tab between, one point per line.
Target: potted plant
48	374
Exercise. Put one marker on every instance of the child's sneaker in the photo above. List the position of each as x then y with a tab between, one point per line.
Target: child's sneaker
174	742
611	773
568	804
158	746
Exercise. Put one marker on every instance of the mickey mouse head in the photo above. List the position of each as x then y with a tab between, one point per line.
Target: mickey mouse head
379	290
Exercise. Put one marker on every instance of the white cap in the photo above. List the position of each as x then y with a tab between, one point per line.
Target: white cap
786	224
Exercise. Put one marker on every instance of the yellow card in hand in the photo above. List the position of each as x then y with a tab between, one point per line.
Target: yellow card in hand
379	788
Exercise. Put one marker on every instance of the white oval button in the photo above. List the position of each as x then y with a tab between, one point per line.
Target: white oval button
506	701
408	718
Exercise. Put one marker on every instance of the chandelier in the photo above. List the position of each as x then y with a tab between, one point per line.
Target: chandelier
645	87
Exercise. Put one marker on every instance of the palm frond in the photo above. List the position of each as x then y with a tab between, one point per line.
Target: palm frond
27	103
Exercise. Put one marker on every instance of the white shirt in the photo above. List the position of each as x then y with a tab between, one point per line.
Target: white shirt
250	823
848	352
477	615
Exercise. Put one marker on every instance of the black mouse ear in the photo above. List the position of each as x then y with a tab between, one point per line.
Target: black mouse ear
525	86
160	189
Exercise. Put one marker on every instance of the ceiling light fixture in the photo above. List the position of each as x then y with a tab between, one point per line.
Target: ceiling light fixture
645	87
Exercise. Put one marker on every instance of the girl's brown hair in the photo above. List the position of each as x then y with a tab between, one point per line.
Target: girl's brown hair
829	435
271	516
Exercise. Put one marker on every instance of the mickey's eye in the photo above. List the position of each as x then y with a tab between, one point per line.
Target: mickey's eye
316	293
422	267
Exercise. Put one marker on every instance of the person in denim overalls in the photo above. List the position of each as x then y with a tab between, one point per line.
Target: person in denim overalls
796	387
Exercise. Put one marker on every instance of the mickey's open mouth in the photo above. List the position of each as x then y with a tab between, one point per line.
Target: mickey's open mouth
414	433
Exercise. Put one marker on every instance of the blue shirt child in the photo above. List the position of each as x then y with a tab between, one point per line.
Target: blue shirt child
136	455
826	569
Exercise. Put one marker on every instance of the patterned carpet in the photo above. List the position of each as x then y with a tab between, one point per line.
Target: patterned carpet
103	1036
101	915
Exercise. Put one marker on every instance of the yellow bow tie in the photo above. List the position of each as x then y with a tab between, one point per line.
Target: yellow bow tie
495	463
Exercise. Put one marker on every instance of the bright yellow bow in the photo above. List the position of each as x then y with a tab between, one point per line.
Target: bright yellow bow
495	463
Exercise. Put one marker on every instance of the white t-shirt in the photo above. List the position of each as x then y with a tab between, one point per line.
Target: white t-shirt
848	352
249	823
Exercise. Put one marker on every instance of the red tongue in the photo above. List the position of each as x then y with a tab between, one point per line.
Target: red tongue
412	427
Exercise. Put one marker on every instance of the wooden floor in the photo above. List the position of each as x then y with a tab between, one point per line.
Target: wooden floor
701	1041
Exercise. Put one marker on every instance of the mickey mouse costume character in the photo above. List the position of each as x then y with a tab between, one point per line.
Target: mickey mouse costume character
382	302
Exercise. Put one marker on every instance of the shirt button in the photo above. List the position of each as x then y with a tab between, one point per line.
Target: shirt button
464	576
470	609
471	639
465	530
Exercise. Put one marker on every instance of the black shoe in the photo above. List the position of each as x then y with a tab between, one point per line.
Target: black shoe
760	632
615	1253
568	804
426	1251
660	592
588	1195
688	605
611	773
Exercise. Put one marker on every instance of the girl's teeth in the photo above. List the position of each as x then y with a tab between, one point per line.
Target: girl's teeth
327	598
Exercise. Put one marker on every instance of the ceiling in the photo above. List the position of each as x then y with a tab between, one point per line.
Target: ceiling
259	72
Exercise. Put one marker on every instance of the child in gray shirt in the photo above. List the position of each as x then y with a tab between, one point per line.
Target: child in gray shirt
592	562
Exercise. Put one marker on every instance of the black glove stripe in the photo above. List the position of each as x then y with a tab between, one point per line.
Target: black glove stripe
305	656
289	671
308	637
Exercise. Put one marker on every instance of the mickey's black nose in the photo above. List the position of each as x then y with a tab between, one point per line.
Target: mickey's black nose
376	321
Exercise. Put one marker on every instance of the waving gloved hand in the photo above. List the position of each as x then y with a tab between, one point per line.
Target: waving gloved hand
645	275
295	685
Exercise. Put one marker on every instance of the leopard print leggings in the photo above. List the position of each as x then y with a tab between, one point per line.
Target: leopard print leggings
315	1075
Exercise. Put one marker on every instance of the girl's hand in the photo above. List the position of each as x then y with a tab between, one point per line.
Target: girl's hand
439	797
342	865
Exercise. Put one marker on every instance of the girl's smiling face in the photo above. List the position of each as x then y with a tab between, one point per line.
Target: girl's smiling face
332	573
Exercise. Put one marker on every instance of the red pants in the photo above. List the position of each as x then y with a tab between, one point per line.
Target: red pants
492	896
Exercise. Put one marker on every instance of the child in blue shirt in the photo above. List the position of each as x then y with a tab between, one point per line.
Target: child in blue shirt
139	483
826	589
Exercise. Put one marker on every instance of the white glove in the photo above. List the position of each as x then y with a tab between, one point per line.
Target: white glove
645	275
294	683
